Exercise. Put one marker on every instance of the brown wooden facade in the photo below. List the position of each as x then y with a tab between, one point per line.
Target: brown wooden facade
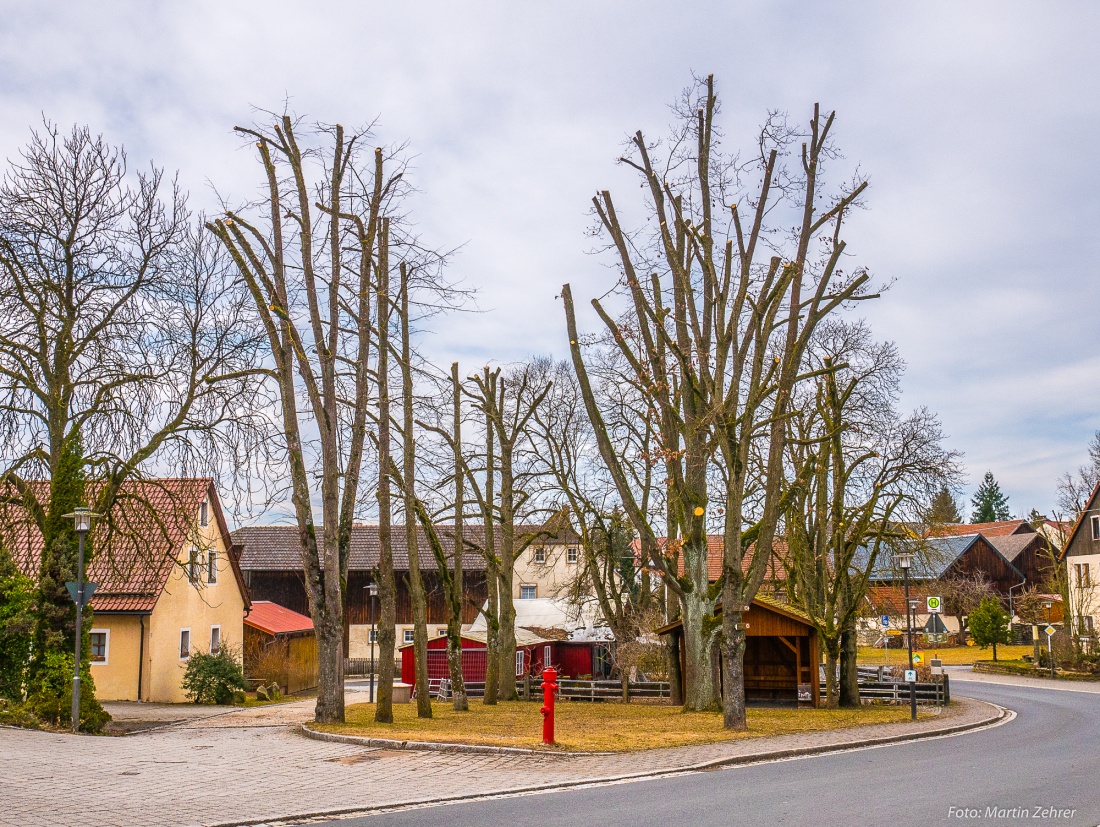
287	588
781	654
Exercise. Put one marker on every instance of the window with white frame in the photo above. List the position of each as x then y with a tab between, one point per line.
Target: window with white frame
409	635
519	662
193	565
1095	520
546	655
215	639
540	554
212	567
442	632
1083	571
571	555
101	644
185	644
528	591
204	514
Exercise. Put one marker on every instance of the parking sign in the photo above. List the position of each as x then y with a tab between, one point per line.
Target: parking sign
885	619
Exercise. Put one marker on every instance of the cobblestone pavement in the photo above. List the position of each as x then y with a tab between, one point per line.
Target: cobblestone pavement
253	765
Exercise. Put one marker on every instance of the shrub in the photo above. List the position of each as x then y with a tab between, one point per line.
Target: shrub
14	714
50	694
16	628
212	679
989	624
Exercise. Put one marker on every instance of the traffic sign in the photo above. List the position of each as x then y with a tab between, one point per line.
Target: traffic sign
885	620
1049	630
910	675
935	605
89	588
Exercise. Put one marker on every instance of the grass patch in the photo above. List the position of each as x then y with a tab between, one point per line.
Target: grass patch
953	656
600	727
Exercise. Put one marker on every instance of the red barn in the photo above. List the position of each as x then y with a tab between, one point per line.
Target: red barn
533	653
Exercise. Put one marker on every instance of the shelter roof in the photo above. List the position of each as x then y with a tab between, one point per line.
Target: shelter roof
1013	545
1002	528
276	620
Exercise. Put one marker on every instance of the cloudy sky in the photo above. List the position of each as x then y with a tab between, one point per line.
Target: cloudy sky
974	122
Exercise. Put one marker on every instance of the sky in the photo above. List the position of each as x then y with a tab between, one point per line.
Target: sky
971	120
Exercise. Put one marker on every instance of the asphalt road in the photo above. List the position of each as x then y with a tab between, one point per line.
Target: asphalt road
1048	757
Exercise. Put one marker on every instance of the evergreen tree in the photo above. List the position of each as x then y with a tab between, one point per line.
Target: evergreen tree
989	624
16	627
990	505
943	509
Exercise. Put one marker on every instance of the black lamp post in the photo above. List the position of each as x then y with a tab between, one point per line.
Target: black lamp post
905	559
372	591
82	523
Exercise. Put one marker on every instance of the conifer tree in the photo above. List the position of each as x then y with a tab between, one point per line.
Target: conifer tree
990	505
943	509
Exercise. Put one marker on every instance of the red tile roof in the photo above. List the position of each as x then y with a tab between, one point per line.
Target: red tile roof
275	619
999	529
137	544
716	552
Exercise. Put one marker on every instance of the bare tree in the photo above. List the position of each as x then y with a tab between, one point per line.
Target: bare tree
122	349
861	470
1074	490
715	336
962	594
308	266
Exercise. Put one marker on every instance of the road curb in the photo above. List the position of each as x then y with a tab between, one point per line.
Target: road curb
998	714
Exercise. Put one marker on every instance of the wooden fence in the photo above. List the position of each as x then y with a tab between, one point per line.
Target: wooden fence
573	690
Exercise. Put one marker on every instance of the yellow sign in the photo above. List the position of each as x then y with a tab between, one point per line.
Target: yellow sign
1049	630
918	658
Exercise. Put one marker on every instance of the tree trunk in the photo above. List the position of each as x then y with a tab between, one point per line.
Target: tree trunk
697	613
506	634
733	687
408	455
831	645
675	675
387	586
330	665
849	673
492	576
456	602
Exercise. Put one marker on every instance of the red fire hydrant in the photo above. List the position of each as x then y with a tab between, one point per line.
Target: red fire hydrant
549	690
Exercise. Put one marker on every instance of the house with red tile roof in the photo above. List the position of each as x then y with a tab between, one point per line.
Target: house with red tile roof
168	584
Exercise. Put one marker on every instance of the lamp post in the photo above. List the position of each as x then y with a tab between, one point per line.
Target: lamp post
372	591
82	524
905	559
1050	638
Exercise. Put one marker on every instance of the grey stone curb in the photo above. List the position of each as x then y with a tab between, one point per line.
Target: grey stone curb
436	746
1000	715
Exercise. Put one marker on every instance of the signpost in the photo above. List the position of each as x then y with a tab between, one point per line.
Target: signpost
1050	647
935	605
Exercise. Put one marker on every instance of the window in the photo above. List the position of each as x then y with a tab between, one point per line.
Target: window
193	565
571	555
528	592
204	514
100	640
442	632
215	639
409	635
212	567
540	554
1084	575
1095	520
373	636
519	662
1087	625
545	656
185	644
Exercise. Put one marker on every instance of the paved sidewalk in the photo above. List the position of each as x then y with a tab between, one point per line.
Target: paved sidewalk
227	769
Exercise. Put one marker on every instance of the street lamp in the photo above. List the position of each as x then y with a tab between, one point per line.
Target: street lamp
1050	644
81	594
905	559
372	591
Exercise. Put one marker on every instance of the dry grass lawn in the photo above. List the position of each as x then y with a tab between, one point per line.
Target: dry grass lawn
953	656
596	727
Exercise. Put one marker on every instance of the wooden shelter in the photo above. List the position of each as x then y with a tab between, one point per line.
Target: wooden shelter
280	645
781	654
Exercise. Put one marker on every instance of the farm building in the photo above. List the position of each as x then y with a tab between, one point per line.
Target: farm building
534	652
781	655
280	646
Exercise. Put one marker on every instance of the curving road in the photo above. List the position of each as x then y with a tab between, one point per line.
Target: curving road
1041	768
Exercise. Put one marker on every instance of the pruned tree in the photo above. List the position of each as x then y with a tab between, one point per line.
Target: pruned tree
861	471
508	402
308	261
722	298
123	348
